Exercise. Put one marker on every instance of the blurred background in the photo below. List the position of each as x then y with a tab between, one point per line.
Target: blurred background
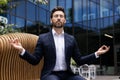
92	22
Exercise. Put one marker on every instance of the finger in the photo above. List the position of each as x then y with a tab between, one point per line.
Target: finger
105	47
108	47
16	40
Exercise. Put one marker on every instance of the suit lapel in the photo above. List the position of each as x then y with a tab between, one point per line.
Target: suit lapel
66	43
52	42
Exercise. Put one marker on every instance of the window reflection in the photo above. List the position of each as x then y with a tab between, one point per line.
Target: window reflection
53	3
91	10
20	8
78	10
69	11
61	3
30	11
20	22
42	16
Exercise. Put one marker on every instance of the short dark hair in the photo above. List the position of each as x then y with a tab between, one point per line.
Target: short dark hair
58	8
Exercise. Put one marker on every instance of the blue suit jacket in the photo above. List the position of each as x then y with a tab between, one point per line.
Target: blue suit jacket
46	48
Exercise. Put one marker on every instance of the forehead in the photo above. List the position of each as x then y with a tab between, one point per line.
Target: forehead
58	13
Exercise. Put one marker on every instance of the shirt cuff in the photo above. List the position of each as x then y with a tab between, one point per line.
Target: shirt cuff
96	55
23	52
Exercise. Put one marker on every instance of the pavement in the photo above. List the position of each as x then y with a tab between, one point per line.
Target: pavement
103	78
107	78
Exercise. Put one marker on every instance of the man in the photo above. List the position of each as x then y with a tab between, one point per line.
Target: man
57	48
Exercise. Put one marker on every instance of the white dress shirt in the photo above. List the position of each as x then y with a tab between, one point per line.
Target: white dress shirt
60	51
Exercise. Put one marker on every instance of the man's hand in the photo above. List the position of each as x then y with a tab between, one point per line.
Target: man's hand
103	49
16	44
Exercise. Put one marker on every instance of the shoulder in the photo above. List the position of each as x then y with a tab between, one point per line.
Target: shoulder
44	35
69	36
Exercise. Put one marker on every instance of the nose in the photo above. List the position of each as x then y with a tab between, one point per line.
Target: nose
59	17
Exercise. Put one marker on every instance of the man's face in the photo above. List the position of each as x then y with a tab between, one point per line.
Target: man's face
58	20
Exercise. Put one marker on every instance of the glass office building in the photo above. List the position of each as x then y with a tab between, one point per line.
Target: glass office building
92	22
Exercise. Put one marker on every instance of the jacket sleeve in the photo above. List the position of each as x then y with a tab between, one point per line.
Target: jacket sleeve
36	56
79	59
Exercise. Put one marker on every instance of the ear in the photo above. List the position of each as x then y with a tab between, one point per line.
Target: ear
65	21
50	20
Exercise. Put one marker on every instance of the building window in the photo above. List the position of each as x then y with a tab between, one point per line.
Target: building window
118	9
91	16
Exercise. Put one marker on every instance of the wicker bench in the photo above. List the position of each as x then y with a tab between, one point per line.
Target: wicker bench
12	67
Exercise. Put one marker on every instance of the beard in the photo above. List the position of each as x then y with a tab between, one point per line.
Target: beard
58	24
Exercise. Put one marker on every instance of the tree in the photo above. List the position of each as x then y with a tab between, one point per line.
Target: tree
3	6
3	2
42	1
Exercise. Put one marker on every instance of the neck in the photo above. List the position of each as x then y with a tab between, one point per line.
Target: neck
58	30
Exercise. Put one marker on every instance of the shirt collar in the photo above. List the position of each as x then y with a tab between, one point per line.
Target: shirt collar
54	32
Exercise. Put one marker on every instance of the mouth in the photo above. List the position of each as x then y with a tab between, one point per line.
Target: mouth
58	23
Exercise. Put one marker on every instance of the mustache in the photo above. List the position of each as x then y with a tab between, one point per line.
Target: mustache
58	21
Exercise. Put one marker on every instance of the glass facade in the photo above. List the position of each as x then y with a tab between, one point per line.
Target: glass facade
92	22
93	19
28	16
